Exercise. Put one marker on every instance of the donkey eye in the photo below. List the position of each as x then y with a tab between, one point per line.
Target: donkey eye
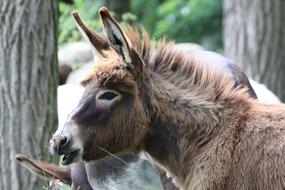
109	95
107	98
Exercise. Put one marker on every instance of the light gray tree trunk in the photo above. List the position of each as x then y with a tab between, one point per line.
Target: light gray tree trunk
254	36
28	82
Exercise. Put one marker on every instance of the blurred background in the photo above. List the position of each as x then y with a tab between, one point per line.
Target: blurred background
38	36
198	21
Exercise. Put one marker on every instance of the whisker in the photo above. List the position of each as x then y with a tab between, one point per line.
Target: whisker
113	155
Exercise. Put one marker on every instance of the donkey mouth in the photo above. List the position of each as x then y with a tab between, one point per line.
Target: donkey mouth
71	157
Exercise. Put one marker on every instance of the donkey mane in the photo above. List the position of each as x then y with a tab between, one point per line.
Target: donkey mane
185	72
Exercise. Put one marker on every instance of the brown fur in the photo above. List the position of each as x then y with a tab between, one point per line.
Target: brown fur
63	71
191	119
98	41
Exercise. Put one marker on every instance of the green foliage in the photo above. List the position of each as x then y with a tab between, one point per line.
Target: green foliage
65	187
88	11
197	21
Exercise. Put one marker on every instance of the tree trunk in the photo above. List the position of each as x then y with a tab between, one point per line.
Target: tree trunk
254	37
28	82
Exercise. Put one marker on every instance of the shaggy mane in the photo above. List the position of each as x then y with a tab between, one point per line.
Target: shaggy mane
183	70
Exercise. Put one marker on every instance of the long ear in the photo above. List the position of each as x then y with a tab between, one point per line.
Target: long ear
97	41
45	170
119	41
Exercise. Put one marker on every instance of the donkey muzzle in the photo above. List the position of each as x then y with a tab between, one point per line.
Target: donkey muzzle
60	145
65	143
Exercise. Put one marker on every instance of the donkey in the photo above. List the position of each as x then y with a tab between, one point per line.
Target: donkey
63	72
194	123
102	174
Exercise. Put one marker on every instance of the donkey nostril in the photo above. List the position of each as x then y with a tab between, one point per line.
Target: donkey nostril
60	144
63	141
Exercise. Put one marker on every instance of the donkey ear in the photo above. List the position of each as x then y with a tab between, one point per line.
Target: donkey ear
119	40
45	170
97	41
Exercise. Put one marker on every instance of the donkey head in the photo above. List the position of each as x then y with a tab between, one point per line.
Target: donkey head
110	116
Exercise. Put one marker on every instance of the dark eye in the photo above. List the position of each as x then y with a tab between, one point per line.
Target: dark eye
107	98
109	95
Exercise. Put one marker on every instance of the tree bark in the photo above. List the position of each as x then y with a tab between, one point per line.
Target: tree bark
28	82
254	37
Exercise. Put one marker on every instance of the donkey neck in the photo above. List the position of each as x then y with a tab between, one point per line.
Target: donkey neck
182	121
